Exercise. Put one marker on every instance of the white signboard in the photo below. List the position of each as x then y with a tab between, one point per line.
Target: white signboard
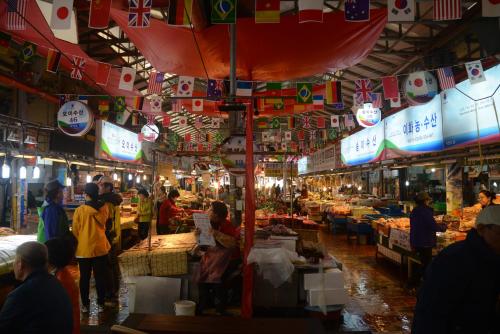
74	118
368	116
364	146
116	143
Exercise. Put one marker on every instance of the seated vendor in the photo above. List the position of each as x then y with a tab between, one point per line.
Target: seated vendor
219	263
168	210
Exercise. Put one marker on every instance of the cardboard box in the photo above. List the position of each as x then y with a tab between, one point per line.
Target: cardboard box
332	297
333	279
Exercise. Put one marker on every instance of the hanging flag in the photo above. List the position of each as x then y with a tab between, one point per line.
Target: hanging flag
78	68
291	122
215	88
266	135
63	98
447	10
135	119
138	102
122	116
320	122
278	104
364	88
83	99
99	14
127	78
318	100
103	71
310	11
267	11
28	51
357	100
306	122
288	135
119	105
446	78
283	147
4	42
16	12
216	122
155	103
491	8
197	104
200	148
187	137
139	13
396	102
165	122
61	14
182	121
198	123
417	83
304	92
475	71
300	135
275	123
104	107
390	85
349	121
357	10
334	121
53	60
223	11
333	92
185	86
400	10
180	12
376	99
155	83
273	89
244	88
262	123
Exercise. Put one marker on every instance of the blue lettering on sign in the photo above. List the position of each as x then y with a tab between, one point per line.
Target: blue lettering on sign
426	122
417	126
410	127
434	120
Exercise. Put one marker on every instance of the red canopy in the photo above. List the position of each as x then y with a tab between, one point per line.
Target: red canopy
265	52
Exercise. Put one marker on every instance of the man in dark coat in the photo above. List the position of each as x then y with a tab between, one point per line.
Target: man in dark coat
40	304
461	290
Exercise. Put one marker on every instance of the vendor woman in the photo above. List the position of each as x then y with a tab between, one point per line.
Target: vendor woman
219	264
486	198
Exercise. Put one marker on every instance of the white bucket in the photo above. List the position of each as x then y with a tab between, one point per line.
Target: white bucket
184	307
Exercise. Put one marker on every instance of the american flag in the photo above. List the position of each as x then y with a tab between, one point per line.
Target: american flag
155	82
447	10
139	13
364	87
446	79
16	10
376	100
78	68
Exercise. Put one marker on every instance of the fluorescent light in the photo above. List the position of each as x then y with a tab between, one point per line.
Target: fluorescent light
138	179
101	166
36	172
5	171
55	160
24	156
79	163
68	182
115	176
22	173
144	177
130	177
120	168
89	178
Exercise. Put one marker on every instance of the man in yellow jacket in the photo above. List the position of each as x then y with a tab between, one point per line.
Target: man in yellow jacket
89	228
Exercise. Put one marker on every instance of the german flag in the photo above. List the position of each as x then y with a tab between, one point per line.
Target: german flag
138	102
180	12
53	60
291	122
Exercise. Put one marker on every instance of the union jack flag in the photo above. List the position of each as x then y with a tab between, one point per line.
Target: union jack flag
139	13
78	68
155	82
364	88
306	122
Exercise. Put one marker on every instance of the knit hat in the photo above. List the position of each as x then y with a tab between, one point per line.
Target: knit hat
490	215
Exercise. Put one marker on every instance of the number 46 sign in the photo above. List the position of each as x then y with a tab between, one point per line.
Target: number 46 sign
74	118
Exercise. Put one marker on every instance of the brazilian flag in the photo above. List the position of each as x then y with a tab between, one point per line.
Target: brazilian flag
28	51
304	93
223	11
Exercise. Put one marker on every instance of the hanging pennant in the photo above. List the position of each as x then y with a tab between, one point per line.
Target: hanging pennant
78	68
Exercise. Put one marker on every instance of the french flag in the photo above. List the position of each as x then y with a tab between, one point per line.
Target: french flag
310	11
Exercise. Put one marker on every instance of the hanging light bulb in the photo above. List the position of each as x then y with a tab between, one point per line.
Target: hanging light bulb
89	178
36	172
5	171
138	179
68	182
22	173
407	183
130	177
145	177
115	176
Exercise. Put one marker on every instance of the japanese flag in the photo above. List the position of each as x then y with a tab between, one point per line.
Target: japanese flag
288	135
283	146
491	8
182	120
61	14
197	104
417	83
334	121
396	102
475	72
127	79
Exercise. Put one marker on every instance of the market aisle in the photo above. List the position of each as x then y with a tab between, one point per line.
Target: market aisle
379	301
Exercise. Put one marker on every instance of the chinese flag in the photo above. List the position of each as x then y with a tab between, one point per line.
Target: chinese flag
103	71
391	89
166	121
320	122
99	14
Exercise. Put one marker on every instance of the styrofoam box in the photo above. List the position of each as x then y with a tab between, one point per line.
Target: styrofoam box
332	297
334	279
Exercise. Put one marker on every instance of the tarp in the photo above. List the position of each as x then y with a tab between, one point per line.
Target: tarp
265	52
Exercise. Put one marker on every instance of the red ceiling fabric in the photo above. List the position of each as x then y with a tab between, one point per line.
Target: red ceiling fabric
265	52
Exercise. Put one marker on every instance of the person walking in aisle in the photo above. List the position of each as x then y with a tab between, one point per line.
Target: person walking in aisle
53	221
89	228
61	253
113	233
461	289
40	304
144	213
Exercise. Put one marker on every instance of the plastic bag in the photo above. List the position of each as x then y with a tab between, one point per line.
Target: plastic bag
274	264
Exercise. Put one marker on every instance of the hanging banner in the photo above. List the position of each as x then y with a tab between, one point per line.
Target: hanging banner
117	144
364	146
461	125
74	119
368	116
414	130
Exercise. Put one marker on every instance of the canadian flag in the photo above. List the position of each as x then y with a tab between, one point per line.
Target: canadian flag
127	79
197	104
491	8
61	14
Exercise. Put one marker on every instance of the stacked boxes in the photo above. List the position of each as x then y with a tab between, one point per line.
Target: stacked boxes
326	288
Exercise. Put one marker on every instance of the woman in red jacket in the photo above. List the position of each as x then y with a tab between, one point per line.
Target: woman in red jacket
168	210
